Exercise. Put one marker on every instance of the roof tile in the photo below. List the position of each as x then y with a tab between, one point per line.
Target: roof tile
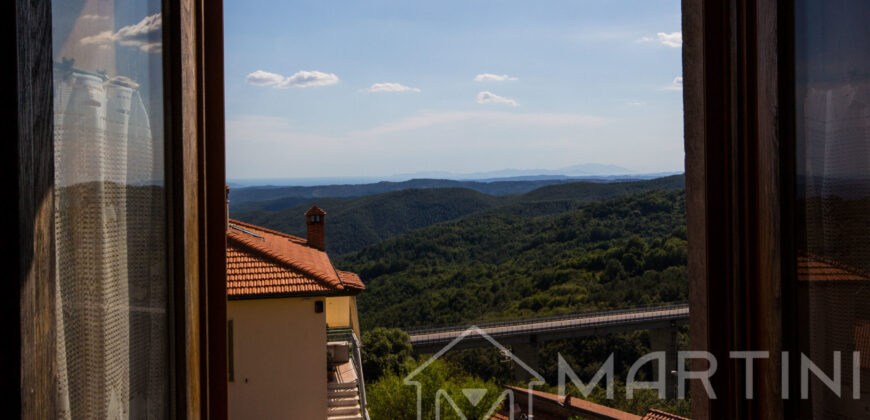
264	263
654	414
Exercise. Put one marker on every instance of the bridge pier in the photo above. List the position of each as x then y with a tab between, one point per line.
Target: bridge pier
665	339
528	353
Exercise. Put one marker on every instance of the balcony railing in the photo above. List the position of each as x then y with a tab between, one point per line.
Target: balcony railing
347	335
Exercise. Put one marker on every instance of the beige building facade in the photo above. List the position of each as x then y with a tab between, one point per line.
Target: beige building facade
279	352
292	327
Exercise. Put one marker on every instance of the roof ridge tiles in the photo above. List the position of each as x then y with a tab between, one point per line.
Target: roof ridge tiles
252	244
267	230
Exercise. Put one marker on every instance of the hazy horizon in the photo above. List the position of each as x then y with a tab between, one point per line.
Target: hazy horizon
506	174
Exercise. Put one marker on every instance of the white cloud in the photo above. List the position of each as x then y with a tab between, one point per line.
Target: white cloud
301	79
677	84
673	39
144	35
102	38
489	77
634	103
491	98
309	79
391	87
264	78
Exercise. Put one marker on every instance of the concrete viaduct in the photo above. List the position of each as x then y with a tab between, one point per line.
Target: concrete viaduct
523	336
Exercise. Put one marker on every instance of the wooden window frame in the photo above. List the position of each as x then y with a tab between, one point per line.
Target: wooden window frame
737	67
194	124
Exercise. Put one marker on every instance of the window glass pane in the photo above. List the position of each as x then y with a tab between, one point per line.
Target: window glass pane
110	200
832	69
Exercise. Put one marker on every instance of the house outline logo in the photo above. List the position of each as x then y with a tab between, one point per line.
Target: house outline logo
473	330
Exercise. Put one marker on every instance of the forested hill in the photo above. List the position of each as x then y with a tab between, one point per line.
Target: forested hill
263	195
617	253
353	223
269	197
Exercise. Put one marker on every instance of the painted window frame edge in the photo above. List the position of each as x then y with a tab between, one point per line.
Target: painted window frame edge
194	126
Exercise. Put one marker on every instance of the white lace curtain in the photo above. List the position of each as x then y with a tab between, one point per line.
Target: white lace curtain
109	230
836	168
835	191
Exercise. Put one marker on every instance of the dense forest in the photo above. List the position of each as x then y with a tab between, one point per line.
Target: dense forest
617	253
524	259
354	223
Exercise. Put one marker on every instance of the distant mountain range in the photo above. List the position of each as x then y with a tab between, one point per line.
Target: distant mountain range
285	196
581	171
354	222
275	198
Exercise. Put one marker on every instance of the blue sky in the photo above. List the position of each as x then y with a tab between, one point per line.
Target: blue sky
376	88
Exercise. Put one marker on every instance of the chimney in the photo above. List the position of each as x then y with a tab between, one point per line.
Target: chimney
227	215
314	218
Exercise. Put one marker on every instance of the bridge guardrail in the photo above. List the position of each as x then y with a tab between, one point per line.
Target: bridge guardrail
563	322
546	319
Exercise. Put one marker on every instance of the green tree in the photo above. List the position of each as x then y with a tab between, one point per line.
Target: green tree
613	271
385	350
392	398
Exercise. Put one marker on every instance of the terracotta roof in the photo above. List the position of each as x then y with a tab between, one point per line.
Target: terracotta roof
654	414
574	406
266	263
815	268
249	226
250	274
581	406
351	280
591	407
